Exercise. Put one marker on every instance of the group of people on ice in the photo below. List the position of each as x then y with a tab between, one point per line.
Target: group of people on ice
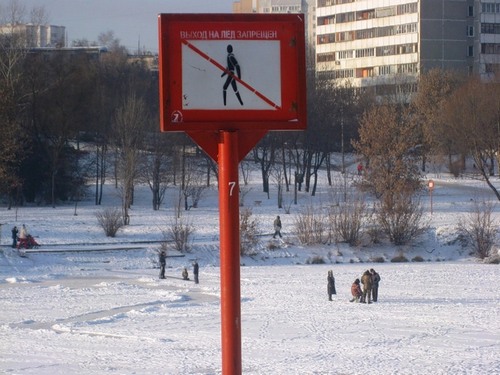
366	294
185	275
21	239
370	280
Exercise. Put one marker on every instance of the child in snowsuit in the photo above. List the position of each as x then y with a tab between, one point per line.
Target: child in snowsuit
356	291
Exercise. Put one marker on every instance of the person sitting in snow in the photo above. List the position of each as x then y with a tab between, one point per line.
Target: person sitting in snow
185	275
356	291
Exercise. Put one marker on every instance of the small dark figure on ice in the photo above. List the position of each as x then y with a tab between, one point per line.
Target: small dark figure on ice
163	261
185	275
330	285
196	270
15	231
375	281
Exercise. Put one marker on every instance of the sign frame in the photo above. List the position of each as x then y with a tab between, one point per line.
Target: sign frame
182	36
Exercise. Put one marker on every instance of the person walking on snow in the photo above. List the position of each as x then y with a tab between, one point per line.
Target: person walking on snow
162	258
196	269
330	285
277	227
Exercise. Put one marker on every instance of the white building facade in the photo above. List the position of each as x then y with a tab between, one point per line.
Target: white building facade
38	36
379	43
307	7
487	37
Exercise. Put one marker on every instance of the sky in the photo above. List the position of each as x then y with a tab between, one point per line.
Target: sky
134	22
86	304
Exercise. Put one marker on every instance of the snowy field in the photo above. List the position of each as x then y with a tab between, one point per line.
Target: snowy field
87	304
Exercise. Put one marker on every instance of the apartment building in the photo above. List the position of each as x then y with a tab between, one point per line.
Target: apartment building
267	6
486	33
38	36
381	43
306	7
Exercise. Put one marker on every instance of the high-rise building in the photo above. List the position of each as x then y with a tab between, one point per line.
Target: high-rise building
267	6
486	30
376	43
282	6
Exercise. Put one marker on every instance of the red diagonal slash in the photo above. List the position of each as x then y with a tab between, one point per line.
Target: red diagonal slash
209	59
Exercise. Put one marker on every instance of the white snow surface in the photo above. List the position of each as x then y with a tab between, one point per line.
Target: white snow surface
86	304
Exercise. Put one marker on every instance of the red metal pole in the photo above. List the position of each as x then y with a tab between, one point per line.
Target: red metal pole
229	216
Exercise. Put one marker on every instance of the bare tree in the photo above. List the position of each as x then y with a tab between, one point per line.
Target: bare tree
156	166
39	16
264	154
472	115
388	137
277	176
130	121
434	88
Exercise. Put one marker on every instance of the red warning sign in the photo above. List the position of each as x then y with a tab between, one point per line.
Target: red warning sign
232	71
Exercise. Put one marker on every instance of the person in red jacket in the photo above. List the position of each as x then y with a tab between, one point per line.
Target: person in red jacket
356	291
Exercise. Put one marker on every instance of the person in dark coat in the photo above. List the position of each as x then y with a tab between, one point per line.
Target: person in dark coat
163	261
277	227
331	285
375	281
15	231
356	291
366	280
196	269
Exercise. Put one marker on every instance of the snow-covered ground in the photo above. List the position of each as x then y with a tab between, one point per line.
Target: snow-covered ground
87	304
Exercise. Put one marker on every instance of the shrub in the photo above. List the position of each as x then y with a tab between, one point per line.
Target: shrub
249	233
478	229
179	232
417	258
492	260
400	217
317	259
399	259
346	219
110	219
378	260
310	226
